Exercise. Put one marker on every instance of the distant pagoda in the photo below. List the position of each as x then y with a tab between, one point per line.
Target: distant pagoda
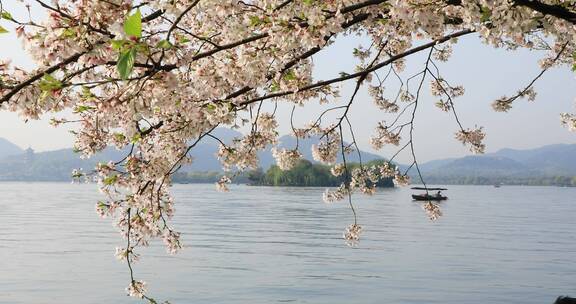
29	155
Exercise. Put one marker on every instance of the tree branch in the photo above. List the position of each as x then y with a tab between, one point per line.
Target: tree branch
361	73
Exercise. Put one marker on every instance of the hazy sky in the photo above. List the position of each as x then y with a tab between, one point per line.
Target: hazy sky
486	74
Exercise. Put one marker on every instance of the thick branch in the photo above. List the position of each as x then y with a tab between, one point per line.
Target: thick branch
17	88
548	9
75	57
361	73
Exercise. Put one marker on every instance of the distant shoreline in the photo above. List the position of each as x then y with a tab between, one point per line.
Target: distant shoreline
273	186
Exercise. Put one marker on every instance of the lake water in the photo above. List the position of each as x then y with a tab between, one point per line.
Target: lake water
283	245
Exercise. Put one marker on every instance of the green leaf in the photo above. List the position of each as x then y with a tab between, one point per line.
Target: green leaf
48	83
255	20
142	48
87	94
136	138
211	107
82	108
274	87
486	14
125	63
119	136
68	33
290	75
118	45
133	25
164	44
3	30
6	15
181	39
110	180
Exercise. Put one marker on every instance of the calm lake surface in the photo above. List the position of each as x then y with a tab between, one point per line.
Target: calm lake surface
284	245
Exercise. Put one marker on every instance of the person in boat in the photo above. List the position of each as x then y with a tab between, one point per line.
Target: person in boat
439	194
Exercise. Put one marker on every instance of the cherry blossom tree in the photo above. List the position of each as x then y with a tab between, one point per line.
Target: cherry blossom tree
156	77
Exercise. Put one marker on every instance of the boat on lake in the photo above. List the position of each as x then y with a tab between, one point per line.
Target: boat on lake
429	197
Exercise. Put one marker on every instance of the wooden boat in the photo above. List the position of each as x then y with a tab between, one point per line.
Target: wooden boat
429	197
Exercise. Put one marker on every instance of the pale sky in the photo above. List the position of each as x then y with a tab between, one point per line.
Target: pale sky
485	72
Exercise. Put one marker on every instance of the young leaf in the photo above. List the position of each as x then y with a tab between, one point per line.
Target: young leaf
136	138
119	137
118	44
6	15
290	75
110	180
3	30
164	44
48	83
486	14
82	108
133	25
126	63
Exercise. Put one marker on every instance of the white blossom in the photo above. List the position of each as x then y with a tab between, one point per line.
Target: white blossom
286	159
432	210
222	184
337	170
569	121
136	289
473	138
352	235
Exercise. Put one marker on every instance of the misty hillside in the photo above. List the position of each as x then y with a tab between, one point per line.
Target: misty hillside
57	165
50	166
206	151
7	148
551	159
505	166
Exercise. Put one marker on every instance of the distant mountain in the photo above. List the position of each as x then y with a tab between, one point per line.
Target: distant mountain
553	164
57	165
552	159
479	165
207	150
204	154
50	166
7	148
305	148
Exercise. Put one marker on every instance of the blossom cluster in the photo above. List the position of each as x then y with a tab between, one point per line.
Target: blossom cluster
352	235
155	78
432	210
569	120
286	159
363	179
136	289
384	104
327	150
384	136
473	138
